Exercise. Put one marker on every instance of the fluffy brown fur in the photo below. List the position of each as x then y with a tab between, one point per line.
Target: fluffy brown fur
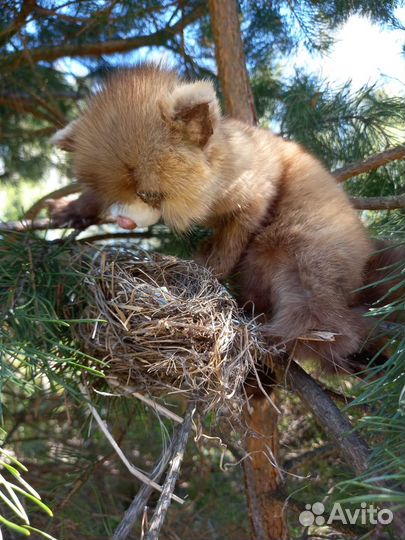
281	225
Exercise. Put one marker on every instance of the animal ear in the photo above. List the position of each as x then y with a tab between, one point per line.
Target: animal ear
65	138
192	110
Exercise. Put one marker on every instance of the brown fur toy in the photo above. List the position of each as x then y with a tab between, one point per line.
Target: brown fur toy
151	146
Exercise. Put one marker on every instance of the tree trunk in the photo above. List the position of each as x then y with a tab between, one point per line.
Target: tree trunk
263	479
262	476
231	60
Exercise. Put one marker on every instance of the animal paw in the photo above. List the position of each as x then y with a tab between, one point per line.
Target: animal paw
67	213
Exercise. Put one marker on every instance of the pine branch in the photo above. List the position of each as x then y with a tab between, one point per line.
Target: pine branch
44	224
158	38
117	235
137	506
369	164
25	105
25	225
308	457
40	11
25	97
171	478
28	134
336	424
352	448
130	467
27	7
378	203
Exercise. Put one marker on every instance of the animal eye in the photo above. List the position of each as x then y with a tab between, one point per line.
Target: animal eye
151	198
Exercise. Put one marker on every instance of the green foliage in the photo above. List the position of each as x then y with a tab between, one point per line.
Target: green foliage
274	29
36	341
337	124
382	392
39	297
39	92
13	488
40	294
33	103
51	53
378	412
46	74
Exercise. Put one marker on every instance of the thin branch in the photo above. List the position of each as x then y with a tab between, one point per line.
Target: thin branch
137	235
378	203
172	475
138	504
336	424
131	468
352	448
23	101
106	47
26	225
27	8
44	224
308	457
157	407
26	105
39	106
369	164
44	12
25	97
28	135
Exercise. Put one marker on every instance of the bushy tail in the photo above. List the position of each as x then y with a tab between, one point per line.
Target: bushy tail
384	280
355	343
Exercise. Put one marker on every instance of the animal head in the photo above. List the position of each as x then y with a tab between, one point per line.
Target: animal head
142	144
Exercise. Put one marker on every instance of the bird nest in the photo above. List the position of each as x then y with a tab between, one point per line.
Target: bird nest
164	325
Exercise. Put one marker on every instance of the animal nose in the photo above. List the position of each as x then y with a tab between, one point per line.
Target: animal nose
126	223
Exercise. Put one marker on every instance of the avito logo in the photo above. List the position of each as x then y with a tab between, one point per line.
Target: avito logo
366	514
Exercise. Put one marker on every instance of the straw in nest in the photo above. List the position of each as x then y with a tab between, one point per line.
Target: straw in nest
165	325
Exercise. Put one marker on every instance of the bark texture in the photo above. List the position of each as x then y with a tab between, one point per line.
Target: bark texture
231	62
262	476
369	164
263	479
